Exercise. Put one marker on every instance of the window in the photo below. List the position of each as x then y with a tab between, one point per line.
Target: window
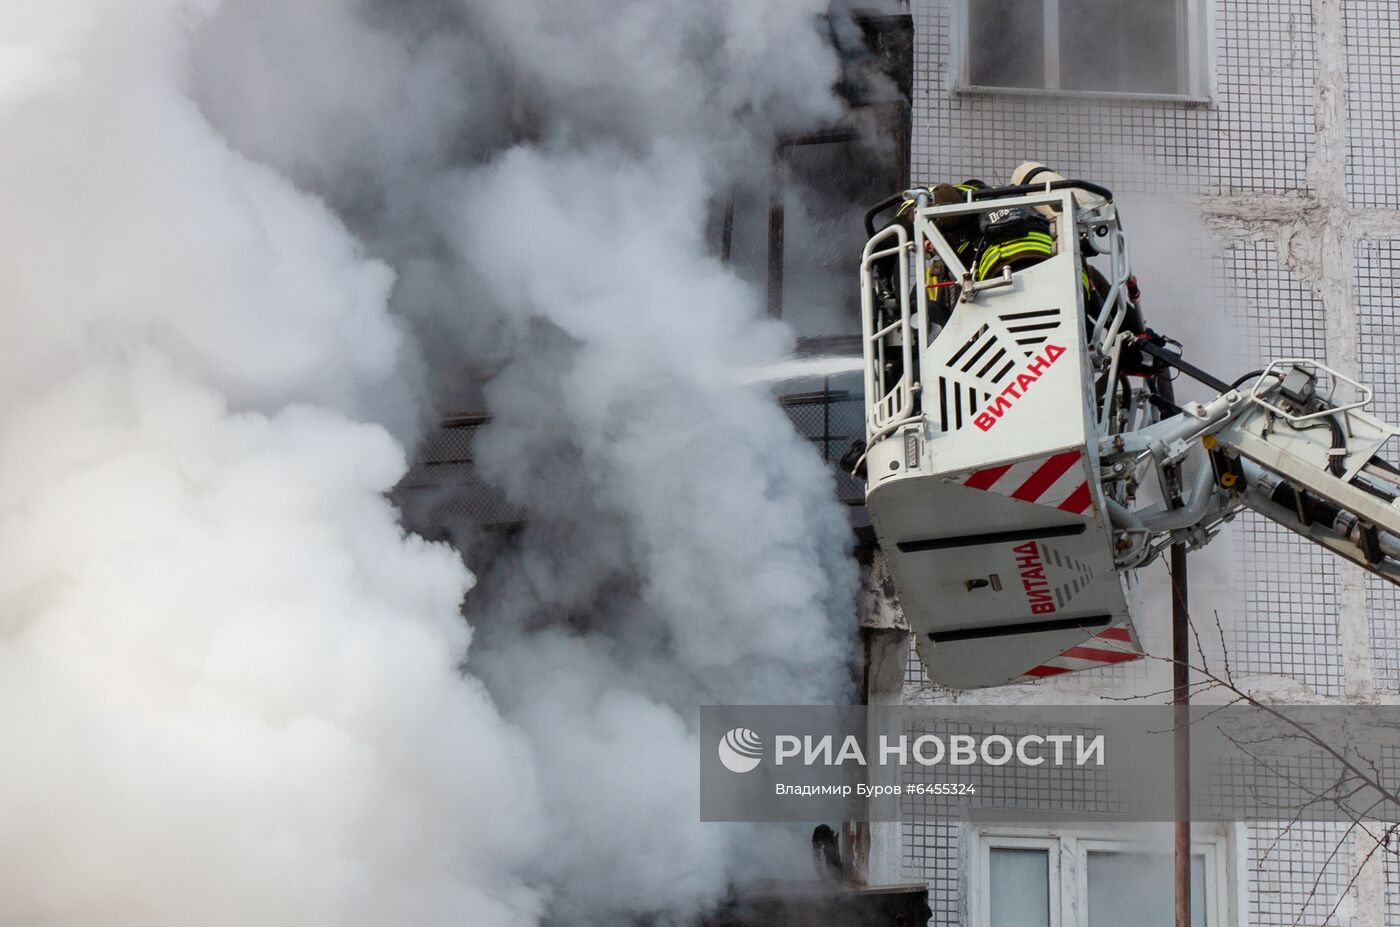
1132	47
1087	878
1130	887
1024	875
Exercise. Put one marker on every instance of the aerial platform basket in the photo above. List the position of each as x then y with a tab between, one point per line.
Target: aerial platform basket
982	459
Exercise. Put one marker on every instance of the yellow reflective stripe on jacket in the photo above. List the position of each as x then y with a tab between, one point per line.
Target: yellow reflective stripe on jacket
1033	243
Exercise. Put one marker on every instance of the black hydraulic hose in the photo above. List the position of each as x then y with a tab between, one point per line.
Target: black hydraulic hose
992	193
1166	393
1385	465
1123	393
1245	378
1337	463
1154	398
1375	490
878	208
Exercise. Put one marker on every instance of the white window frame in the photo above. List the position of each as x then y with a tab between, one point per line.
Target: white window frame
1199	63
1217	877
1069	848
998	841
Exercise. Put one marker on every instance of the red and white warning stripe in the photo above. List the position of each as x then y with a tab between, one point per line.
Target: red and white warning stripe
1104	649
1054	481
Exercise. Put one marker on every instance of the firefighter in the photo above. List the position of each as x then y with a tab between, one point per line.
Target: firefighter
1013	236
1024	241
961	232
1033	172
985	242
1019	237
944	194
1096	286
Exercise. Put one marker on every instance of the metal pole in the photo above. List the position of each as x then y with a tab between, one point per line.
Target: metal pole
1181	685
1181	699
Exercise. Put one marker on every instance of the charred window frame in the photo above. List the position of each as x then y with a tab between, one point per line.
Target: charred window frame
831	175
1153	49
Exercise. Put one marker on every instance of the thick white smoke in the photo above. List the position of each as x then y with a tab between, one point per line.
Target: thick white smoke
673	514
227	673
228	691
544	186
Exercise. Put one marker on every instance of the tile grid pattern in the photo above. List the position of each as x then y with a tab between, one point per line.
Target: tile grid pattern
1284	866
1377	263
1255	139
1288	584
1373	92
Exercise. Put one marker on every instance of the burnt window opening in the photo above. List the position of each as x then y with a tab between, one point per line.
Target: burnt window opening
797	231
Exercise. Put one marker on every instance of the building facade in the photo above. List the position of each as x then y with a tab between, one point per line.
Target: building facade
1253	148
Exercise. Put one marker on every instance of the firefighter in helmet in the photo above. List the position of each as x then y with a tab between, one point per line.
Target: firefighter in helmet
961	232
1013	237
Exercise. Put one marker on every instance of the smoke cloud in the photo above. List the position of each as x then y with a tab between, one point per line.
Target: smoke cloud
228	680
255	247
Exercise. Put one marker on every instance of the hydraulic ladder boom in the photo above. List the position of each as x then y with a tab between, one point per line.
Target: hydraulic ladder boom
1281	449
